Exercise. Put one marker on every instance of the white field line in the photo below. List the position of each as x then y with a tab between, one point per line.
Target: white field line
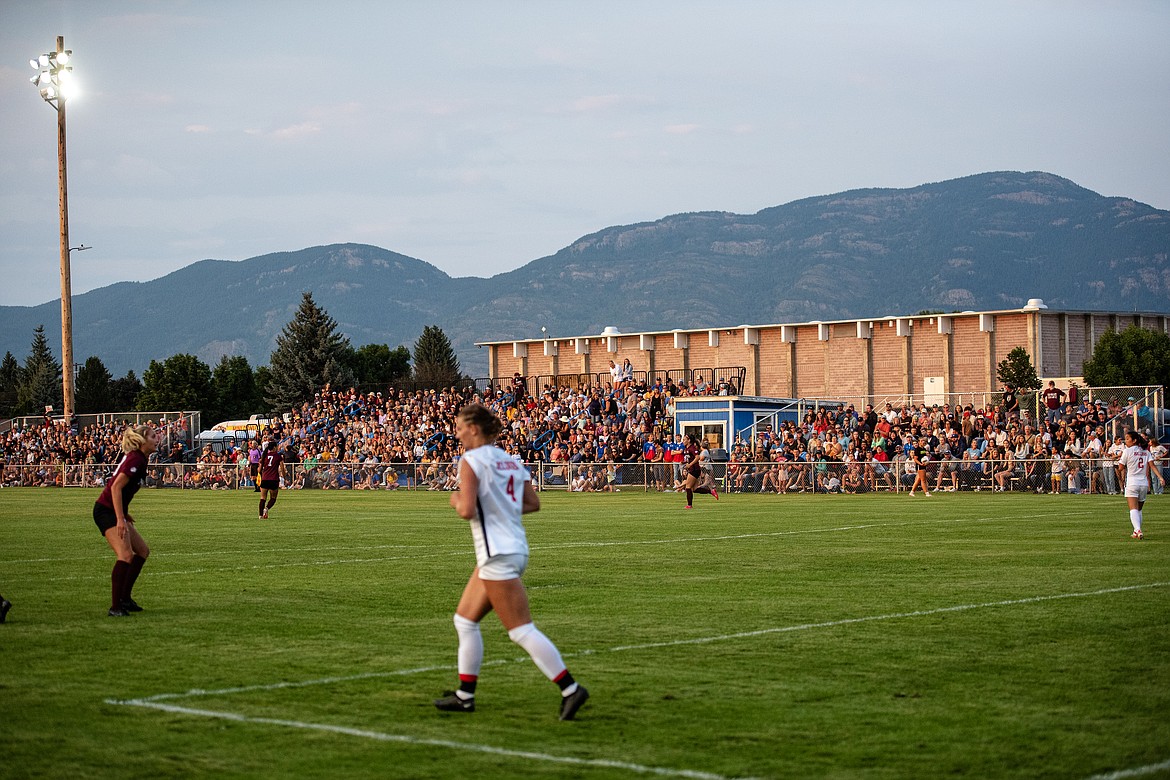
1141	771
355	548
464	552
155	702
442	743
655	645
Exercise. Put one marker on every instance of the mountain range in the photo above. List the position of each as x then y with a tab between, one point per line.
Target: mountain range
987	241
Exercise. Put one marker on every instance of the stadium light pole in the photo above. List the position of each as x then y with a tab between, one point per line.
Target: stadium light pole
54	80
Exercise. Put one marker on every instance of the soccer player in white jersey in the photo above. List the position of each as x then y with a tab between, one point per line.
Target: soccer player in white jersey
1135	461
494	491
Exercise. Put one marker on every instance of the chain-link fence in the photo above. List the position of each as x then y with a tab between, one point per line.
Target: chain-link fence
1034	475
172	427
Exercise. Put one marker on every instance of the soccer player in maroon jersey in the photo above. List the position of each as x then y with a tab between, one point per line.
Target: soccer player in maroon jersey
694	471
112	517
271	467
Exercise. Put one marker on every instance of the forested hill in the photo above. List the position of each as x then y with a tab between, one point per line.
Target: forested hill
987	241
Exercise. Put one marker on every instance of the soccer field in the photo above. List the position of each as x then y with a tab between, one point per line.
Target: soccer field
983	636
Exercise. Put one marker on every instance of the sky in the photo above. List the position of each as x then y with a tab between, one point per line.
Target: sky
479	135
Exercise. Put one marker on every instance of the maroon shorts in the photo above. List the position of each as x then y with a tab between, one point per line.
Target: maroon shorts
104	517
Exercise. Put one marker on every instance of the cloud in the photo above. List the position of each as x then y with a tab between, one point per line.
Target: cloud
291	132
681	129
197	129
297	131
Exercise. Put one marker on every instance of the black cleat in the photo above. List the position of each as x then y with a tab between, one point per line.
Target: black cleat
118	612
130	605
571	703
5	605
452	703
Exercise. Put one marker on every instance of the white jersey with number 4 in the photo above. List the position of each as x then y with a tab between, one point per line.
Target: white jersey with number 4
1135	460
497	528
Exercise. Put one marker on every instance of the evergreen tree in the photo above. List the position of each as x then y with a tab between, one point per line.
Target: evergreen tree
1016	370
310	352
434	358
41	385
235	389
10	381
262	376
124	392
93	387
1135	356
180	383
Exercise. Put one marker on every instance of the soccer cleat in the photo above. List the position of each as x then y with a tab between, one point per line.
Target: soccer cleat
452	703
571	703
688	506
119	612
130	605
715	494
5	605
264	515
1137	535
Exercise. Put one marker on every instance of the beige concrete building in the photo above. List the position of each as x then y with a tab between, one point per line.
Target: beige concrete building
909	356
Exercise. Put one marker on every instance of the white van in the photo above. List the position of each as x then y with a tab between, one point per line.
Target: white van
234	432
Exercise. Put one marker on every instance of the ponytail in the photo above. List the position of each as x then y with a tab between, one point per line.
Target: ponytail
1138	439
483	418
133	437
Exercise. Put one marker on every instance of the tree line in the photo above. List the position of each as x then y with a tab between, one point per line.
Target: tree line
310	352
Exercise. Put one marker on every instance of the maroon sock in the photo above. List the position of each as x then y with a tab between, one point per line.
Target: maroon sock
261	506
703	489
118	583
271	501
136	564
690	496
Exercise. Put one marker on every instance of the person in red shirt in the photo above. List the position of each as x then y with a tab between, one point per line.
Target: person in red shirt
271	467
1053	398
112	517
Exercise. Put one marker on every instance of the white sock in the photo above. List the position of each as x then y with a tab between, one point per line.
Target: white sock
1135	519
543	652
470	646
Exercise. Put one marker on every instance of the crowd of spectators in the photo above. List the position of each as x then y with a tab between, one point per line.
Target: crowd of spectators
601	437
56	453
1073	449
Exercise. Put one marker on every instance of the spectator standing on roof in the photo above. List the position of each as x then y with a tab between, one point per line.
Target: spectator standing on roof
1011	404
1053	397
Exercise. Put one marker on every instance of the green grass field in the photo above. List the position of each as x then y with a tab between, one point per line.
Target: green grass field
984	636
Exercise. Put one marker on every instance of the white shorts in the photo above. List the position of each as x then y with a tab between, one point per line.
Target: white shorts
504	567
1139	492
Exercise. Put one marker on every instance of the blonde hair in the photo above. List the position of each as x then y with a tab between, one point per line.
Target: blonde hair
134	436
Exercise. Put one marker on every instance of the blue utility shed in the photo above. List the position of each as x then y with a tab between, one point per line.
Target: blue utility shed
718	419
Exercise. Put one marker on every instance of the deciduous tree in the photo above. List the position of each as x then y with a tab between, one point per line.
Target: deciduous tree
1134	356
235	389
1016	370
180	383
